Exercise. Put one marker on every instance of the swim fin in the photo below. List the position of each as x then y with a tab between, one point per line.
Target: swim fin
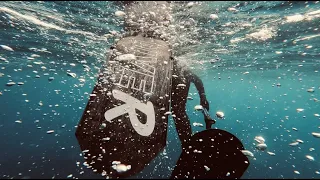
211	154
123	127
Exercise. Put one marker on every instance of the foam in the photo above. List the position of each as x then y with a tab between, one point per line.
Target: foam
36	21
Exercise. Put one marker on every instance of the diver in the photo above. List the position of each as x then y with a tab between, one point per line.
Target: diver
181	74
212	153
120	148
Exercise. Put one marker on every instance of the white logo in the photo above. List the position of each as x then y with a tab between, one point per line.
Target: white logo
142	78
129	107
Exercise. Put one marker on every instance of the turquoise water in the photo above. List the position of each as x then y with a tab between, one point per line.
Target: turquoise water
284	51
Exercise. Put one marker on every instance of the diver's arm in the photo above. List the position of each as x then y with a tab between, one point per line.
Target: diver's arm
199	85
197	82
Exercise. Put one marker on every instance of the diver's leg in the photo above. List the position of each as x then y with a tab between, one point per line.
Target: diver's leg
182	124
178	105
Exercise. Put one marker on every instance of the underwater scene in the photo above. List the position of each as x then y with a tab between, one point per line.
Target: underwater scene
259	63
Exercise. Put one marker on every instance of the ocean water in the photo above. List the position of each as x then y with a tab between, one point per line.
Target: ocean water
257	63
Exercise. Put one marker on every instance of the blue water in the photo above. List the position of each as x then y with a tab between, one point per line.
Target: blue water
252	102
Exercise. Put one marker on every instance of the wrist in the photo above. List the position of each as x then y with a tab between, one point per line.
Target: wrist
202	97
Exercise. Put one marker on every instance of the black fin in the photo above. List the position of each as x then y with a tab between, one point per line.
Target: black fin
109	131
211	154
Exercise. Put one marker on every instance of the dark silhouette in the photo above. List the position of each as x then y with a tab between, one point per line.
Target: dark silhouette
125	122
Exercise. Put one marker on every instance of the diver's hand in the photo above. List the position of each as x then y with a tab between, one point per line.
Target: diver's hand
204	102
